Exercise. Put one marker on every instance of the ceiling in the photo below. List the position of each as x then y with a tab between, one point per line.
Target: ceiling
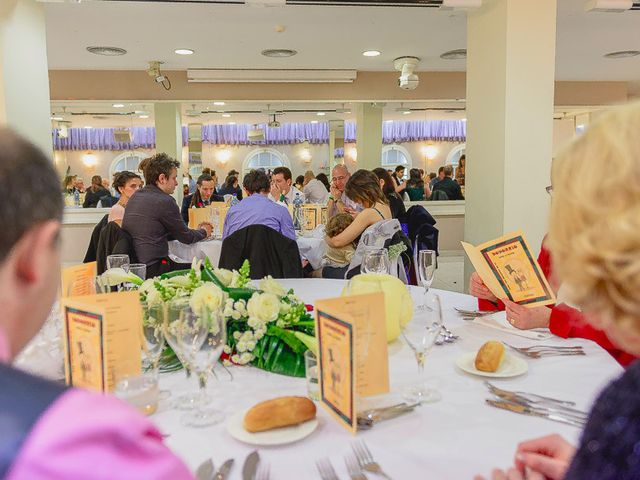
232	36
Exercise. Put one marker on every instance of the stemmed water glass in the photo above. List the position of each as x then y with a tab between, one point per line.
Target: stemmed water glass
214	218
199	336
420	334
138	269
426	269
375	261
118	261
154	341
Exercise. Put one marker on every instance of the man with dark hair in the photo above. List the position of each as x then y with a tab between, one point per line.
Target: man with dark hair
282	190
397	176
202	197
448	185
257	209
49	431
152	217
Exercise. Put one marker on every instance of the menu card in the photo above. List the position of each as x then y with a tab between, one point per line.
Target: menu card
312	215
205	214
352	353
78	280
509	270
102	339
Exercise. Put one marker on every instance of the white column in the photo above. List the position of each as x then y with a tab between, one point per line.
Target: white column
24	75
369	135
168	120
510	87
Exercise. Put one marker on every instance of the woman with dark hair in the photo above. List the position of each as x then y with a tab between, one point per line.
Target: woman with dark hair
460	170
95	193
299	183
325	180
388	188
416	188
231	187
126	184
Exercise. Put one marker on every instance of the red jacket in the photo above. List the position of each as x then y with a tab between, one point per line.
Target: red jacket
568	322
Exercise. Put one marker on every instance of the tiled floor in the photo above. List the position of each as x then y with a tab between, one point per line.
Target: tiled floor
450	273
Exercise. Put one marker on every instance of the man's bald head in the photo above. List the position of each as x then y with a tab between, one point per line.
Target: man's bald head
340	176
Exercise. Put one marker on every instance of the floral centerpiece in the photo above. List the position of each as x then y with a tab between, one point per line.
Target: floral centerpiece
267	327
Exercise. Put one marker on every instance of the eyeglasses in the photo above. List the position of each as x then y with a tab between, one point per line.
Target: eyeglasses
549	190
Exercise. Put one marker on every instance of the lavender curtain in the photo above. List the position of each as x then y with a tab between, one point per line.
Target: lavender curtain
286	134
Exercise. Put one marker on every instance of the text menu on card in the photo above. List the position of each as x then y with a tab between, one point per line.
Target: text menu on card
509	270
78	280
352	353
102	339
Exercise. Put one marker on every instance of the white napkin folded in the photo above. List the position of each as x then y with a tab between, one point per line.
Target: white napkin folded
499	321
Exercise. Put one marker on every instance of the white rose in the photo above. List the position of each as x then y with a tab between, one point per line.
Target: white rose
209	296
264	307
225	276
269	285
245	358
285	307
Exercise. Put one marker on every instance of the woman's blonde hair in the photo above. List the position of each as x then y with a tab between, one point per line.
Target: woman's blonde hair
594	233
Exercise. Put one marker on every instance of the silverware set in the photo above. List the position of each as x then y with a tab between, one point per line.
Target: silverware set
358	465
541	351
369	418
250	470
537	406
206	470
472	314
446	336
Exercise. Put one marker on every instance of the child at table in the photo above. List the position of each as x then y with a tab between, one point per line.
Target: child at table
336	256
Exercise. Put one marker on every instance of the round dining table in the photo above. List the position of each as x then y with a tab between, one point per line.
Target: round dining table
455	438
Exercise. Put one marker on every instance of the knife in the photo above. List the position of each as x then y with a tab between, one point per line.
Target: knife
524	410
224	470
250	466
551	407
205	470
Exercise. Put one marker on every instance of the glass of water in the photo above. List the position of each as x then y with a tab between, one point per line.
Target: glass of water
375	261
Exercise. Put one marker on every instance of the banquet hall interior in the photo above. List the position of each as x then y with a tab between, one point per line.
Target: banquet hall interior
460	108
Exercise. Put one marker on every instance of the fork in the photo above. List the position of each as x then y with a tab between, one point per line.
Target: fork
355	473
544	347
529	396
326	469
263	472
366	461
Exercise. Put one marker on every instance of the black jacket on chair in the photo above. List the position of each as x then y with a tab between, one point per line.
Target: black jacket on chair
268	251
92	249
113	240
417	216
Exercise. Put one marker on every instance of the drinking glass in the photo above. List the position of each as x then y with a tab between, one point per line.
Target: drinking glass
200	336
118	261
154	342
311	372
139	269
426	269
420	335
214	218
375	261
140	391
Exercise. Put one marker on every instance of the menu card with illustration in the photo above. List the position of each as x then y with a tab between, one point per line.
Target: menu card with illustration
352	353
509	270
102	339
312	215
78	280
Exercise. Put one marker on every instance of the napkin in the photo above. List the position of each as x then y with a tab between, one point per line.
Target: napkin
498	321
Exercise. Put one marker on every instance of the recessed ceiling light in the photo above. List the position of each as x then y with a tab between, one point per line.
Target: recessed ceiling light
464	120
321	114
226	115
388	121
57	119
143	116
88	126
314	121
406	112
622	54
107	51
118	105
279	52
371	53
231	123
458	54
218	104
183	51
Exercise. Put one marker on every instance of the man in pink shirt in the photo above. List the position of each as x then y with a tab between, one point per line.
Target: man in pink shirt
48	431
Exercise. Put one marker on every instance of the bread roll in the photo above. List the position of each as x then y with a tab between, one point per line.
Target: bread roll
279	412
490	356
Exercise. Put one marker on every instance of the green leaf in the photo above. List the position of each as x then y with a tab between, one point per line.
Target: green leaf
288	337
274	355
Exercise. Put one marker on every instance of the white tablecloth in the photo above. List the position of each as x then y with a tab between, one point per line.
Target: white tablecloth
311	248
452	439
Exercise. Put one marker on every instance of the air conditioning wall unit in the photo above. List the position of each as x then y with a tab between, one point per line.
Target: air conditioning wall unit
195	137
123	136
608	6
221	75
255	135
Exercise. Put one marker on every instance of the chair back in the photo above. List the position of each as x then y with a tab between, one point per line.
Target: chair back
92	248
114	240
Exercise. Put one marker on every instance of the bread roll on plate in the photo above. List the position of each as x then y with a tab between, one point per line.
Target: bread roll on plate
279	412
490	356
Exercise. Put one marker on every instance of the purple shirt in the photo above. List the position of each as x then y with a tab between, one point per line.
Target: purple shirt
84	435
257	209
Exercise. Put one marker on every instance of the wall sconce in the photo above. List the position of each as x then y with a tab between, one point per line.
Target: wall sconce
223	156
430	151
89	159
353	154
305	155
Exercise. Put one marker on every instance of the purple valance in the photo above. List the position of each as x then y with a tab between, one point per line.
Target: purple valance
286	134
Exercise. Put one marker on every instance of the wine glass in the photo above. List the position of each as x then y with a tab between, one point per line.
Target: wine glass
138	269
426	269
214	218
153	342
118	261
200	336
420	334
375	261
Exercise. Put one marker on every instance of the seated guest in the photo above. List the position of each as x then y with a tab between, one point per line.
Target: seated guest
339	202
257	209
126	184
95	193
50	431
152	217
282	190
364	189
436	178
78	184
461	169
68	184
337	257
416	189
389	189
448	185
231	187
299	183
595	247
322	178
202	197
314	190
398	176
